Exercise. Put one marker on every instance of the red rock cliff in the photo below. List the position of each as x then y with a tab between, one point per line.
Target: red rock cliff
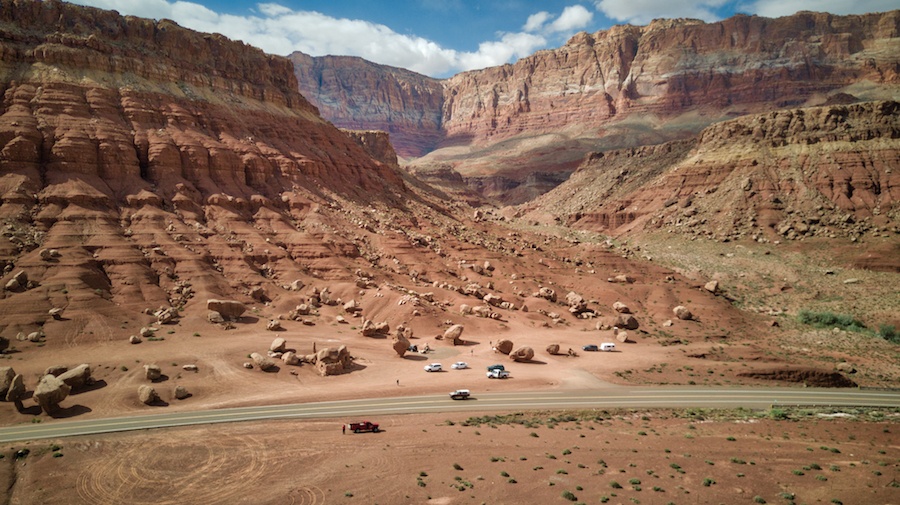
357	94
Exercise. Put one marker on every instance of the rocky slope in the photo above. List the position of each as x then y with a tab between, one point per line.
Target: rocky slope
357	94
514	131
823	171
138	180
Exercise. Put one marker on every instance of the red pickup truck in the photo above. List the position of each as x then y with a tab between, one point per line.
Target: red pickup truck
364	426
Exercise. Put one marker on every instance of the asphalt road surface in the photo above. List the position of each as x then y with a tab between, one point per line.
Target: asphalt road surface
350	410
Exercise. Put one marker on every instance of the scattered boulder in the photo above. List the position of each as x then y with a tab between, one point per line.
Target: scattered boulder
181	392
712	287
400	344
134	339
352	307
845	367
36	336
627	321
332	361
274	325
504	346
667	323
290	358
682	312
297	285
147	394
576	303
262	362
78	377
547	294
231	310
55	313
621	279
6	377
46	255
16	390
215	318
454	333
49	392
621	308
146	332
553	349
492	299
524	353
278	345
371	329
248	365
18	281
340	320
191	368
55	370
152	372
167	315
622	336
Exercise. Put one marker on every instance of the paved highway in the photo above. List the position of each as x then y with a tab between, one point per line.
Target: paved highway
347	410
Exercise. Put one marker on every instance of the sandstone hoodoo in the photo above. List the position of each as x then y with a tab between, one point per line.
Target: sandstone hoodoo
400	344
453	334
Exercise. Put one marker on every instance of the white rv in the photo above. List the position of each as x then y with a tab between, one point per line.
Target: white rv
607	346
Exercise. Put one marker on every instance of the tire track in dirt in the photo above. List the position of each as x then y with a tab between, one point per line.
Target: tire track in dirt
135	473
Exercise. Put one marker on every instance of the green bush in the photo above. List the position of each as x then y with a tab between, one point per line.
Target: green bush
569	495
889	333
831	320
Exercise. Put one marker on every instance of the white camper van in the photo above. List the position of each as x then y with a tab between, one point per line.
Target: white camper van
607	346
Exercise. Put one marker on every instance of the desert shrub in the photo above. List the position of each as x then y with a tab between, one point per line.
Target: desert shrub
569	495
457	466
831	320
708	482
889	333
615	485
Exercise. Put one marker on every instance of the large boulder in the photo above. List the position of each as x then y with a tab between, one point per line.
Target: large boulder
49	392
181	392
16	389
712	286
627	321
167	315
372	329
278	345
454	333
6	377
290	358
576	303
524	353
504	346
78	377
147	394
404	331
400	345
274	325
682	312
553	349
333	360
621	308
152	372
547	294
231	310
262	362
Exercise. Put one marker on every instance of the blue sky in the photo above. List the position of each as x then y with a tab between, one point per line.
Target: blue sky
443	37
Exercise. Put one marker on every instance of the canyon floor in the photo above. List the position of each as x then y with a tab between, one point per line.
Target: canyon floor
657	456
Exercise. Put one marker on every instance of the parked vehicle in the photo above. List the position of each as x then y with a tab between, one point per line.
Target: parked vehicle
460	394
608	346
434	367
364	426
498	374
496	367
460	365
590	347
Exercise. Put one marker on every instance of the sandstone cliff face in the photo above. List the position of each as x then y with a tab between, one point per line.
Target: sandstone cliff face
622	87
357	94
162	164
825	171
744	63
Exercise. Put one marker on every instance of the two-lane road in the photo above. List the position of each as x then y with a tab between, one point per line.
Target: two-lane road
618	397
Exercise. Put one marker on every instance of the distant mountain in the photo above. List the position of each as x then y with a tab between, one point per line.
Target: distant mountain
516	130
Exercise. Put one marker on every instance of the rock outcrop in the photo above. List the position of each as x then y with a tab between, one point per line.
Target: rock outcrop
49	392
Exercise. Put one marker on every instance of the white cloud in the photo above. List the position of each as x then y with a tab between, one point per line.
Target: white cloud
574	17
281	30
643	11
536	21
776	8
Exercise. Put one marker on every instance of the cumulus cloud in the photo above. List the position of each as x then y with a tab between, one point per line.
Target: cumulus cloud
572	18
775	8
281	30
644	11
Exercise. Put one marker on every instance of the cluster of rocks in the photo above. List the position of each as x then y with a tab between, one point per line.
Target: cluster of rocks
34	336
486	269
165	315
20	282
373	329
54	386
49	254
